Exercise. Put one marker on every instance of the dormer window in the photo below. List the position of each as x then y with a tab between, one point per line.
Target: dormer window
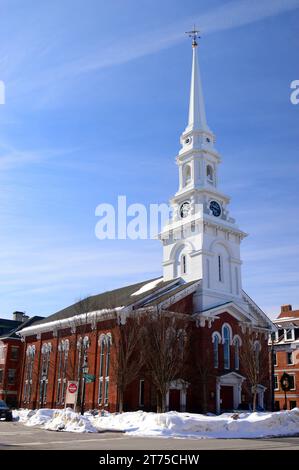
210	174
289	334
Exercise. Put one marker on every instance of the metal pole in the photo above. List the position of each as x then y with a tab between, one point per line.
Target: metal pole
83	397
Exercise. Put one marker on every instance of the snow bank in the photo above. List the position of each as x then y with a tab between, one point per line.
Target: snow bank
171	424
55	420
174	424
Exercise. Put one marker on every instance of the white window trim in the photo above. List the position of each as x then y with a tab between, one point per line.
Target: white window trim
293	375
276	389
285	334
292	358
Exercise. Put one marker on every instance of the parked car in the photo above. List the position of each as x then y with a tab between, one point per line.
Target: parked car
5	411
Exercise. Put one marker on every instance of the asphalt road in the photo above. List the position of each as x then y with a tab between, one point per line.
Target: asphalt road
16	436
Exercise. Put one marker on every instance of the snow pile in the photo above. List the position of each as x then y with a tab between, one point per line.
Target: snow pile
227	425
171	424
55	420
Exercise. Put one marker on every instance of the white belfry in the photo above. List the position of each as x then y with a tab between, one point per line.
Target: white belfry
201	241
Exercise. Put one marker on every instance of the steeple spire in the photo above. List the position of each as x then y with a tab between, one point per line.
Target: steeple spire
197	115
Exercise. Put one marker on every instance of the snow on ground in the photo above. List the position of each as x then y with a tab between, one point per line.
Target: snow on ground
171	424
148	286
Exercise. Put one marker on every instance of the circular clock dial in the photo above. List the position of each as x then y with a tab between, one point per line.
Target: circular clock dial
215	208
185	209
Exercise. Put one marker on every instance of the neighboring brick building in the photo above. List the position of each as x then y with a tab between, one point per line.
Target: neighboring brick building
286	356
11	356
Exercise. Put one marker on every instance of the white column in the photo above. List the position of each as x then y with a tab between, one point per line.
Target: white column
183	399
167	401
237	395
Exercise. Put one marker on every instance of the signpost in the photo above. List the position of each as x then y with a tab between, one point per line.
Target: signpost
71	392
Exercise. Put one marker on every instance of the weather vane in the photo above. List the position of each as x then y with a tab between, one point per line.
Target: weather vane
194	34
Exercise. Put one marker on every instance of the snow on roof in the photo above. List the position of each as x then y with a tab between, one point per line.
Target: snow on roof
146	287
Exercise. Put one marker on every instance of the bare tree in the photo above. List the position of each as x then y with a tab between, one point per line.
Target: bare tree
129	357
254	356
205	372
164	345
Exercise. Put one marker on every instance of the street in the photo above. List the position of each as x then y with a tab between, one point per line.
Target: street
16	436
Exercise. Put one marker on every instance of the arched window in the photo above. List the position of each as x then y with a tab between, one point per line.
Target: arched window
210	174
105	346
63	350
216	341
102	343
107	369
237	353
226	347
30	353
187	175
183	264
44	370
220	268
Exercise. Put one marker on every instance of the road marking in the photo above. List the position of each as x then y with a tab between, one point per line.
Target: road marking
64	442
14	433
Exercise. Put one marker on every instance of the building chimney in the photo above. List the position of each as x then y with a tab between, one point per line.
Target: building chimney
286	308
19	316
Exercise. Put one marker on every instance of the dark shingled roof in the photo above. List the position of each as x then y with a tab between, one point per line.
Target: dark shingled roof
8	325
121	297
20	325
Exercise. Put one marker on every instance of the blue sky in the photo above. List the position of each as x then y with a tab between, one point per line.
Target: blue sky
96	98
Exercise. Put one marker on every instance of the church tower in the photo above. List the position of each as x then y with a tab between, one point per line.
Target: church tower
201	241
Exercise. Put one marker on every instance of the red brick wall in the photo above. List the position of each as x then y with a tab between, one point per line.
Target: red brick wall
201	347
281	367
10	391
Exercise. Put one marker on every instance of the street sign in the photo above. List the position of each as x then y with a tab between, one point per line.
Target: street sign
72	387
71	392
89	378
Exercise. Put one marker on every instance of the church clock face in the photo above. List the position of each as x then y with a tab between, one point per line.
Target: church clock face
185	209
215	208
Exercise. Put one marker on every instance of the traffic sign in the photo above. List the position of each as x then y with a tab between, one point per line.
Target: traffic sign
72	387
71	392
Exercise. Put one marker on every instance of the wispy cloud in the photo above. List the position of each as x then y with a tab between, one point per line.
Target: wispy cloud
103	54
11	157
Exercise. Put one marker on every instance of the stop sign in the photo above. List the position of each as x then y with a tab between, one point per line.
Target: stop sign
72	387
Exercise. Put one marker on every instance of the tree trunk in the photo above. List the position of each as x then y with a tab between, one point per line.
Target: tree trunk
254	401
204	397
159	402
163	402
121	401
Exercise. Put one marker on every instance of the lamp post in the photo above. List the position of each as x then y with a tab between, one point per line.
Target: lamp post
285	382
84	371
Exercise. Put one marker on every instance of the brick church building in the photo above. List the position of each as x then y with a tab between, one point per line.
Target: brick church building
201	281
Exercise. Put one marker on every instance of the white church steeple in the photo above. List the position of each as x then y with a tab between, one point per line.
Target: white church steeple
201	241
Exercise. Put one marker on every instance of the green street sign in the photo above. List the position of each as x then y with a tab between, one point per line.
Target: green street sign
89	378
